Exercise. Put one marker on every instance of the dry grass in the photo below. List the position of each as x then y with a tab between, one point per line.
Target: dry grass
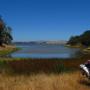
42	76
42	81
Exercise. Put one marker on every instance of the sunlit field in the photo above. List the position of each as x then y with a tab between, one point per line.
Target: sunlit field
43	81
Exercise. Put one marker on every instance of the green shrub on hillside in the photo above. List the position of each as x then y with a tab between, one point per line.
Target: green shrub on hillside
83	39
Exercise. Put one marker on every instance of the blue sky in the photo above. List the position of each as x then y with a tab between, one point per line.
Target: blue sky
34	20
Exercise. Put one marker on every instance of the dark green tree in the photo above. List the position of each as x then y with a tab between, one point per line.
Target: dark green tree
5	33
83	39
74	40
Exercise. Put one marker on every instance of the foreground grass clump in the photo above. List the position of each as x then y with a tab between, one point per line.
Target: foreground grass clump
28	66
22	65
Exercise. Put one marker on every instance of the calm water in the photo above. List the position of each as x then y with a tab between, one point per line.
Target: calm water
46	51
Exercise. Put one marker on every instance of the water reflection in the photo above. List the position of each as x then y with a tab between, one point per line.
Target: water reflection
45	51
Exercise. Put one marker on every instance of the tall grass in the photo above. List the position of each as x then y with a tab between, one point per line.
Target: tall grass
22	65
43	81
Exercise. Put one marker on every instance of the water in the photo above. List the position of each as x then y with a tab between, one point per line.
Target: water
45	51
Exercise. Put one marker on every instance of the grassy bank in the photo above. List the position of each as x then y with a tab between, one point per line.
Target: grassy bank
6	51
84	49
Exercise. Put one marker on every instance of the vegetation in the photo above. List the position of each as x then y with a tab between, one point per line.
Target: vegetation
83	39
5	33
6	38
43	81
7	51
41	75
30	66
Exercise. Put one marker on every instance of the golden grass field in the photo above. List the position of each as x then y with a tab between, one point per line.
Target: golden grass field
42	81
42	75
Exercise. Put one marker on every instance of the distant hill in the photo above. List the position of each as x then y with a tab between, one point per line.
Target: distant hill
41	42
56	42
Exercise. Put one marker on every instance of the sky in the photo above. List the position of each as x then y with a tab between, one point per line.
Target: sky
35	20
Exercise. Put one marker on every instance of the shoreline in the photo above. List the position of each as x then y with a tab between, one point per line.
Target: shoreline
7	49
83	48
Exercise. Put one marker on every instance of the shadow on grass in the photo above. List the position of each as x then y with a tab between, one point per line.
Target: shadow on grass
85	82
33	66
29	66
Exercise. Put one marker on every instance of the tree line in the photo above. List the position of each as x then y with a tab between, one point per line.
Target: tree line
5	33
83	39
